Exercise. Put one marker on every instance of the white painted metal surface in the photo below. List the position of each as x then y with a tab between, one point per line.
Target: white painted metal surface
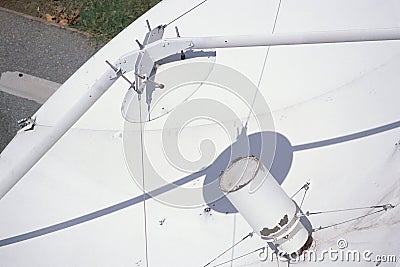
292	39
13	169
336	119
147	57
263	204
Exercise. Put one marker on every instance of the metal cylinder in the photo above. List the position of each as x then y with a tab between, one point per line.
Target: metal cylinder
264	204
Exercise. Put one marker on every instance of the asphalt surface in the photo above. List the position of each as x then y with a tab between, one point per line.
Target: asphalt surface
38	49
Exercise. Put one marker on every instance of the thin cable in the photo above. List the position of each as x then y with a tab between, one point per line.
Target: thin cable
304	196
265	62
143	185
233	238
188	11
231	247
385	207
306	186
241	256
277	259
343	222
298	191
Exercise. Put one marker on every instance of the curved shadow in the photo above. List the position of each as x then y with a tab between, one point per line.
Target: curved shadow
273	149
281	163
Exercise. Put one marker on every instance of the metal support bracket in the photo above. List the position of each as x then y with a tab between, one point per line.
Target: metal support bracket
27	124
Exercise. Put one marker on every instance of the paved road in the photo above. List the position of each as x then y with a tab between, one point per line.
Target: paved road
38	49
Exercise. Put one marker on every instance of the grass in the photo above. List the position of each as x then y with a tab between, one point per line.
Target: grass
102	19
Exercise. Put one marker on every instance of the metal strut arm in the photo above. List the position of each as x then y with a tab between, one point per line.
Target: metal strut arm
142	61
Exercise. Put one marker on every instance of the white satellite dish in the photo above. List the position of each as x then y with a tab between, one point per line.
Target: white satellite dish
125	163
